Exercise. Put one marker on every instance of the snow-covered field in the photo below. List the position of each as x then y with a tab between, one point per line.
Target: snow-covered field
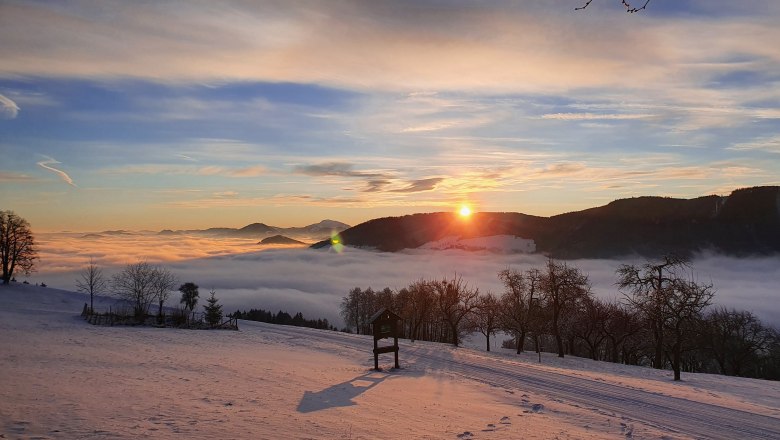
63	378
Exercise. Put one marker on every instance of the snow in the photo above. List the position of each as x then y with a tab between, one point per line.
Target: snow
63	378
493	243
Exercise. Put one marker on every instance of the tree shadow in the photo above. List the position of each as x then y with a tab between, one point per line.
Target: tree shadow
341	394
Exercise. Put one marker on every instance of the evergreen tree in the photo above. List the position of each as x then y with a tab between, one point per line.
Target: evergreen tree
212	310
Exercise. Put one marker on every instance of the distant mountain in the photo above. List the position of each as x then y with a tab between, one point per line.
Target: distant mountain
313	232
256	229
747	222
279	239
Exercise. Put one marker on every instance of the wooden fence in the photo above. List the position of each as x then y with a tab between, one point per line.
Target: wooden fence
194	321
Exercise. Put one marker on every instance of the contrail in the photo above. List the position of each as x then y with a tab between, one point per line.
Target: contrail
63	174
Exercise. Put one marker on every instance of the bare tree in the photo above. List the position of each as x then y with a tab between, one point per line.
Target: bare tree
521	292
646	287
562	288
622	325
135	284
672	302
419	307
736	339
629	7
684	310
454	301
164	282
92	281
590	325
485	317
357	307
17	246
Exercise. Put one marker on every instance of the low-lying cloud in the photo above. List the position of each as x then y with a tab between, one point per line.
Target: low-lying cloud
314	281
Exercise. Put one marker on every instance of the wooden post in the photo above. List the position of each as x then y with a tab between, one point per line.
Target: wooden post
376	354
395	345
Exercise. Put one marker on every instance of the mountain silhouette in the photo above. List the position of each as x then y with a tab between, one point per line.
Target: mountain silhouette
747	222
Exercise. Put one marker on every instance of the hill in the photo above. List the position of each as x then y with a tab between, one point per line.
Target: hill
280	239
318	230
64	378
747	222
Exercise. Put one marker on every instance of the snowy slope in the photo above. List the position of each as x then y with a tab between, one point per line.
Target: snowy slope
493	243
63	378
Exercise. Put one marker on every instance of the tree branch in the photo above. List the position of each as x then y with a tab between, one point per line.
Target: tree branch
630	9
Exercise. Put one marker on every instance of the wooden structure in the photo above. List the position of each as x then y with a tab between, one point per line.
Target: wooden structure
385	324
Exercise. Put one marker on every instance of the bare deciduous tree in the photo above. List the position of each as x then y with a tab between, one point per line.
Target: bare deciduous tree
454	301
736	339
518	303
590	327
562	288
671	301
645	287
17	246
419	307
485	317
135	284
164	283
92	282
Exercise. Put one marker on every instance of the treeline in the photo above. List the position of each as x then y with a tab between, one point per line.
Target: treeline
664	318
283	318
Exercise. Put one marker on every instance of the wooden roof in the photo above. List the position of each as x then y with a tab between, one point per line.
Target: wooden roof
385	315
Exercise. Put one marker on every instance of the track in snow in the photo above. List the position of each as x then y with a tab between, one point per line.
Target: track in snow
677	415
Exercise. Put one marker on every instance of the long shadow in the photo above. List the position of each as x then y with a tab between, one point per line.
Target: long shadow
341	394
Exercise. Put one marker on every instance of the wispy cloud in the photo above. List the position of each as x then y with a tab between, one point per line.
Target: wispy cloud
8	108
338	169
420	185
63	175
768	144
211	170
8	176
594	116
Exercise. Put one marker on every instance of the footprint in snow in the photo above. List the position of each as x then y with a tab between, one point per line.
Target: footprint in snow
505	421
537	408
490	427
466	435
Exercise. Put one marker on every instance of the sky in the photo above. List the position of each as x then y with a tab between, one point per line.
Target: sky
153	115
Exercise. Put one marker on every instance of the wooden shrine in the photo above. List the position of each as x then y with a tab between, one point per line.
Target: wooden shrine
385	324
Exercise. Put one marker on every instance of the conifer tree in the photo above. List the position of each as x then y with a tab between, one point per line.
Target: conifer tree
213	311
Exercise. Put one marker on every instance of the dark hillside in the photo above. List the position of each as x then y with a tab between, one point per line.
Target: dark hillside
744	223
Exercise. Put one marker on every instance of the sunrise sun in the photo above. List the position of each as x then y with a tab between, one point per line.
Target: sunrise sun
464	211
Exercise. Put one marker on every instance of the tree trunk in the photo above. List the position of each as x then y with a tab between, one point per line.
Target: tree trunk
487	338
520	342
658	361
454	328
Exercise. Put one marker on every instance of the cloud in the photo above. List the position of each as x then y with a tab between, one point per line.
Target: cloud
8	176
63	175
314	281
376	185
339	169
594	116
8	108
767	144
420	46
420	185
211	170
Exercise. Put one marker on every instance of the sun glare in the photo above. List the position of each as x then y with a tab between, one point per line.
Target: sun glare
464	211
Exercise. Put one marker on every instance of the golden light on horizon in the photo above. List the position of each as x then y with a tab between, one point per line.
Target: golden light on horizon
465	211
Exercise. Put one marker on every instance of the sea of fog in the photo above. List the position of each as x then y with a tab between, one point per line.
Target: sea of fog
246	275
